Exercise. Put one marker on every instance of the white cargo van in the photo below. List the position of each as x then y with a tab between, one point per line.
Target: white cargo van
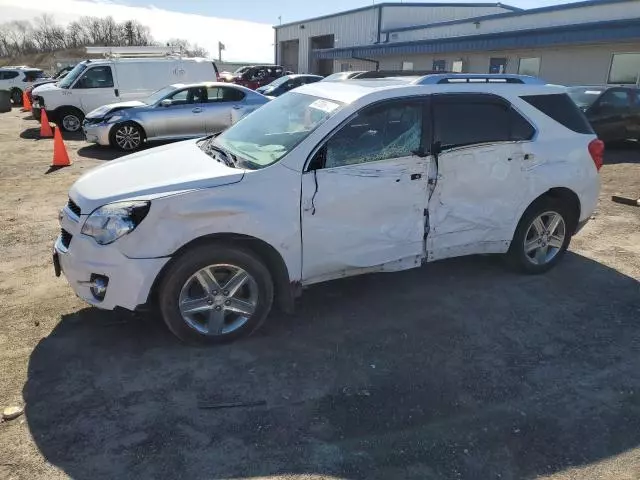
94	83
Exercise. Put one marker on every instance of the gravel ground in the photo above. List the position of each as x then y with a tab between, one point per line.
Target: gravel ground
459	370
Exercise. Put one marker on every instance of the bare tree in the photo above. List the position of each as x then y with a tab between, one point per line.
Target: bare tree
45	35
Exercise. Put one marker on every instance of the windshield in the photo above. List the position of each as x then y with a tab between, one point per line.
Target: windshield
273	130
241	70
584	96
71	77
155	97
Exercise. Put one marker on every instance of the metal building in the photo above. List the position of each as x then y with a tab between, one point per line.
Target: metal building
589	42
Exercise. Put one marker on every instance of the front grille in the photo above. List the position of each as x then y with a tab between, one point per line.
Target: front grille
74	207
65	238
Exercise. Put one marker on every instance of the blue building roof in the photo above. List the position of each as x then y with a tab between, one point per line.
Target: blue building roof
584	33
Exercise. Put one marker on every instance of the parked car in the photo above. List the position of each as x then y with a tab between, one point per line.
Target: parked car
94	83
43	81
229	76
342	76
17	79
257	76
613	111
174	112
328	181
286	83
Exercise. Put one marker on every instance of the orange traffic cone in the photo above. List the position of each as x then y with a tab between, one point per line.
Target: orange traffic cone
60	155
26	104
45	128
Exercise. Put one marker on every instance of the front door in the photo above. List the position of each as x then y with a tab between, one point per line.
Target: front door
221	101
96	88
364	195
183	117
484	154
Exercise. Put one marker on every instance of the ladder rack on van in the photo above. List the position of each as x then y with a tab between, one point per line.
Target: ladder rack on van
134	52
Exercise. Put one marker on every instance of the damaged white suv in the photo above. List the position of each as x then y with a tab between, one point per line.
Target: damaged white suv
332	180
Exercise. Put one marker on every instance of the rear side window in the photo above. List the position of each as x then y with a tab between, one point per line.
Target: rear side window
9	75
562	109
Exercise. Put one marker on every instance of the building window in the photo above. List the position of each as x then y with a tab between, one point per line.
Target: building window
439	65
456	66
625	69
529	66
345	67
407	65
497	65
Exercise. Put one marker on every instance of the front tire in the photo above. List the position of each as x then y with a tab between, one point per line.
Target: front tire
70	119
215	293
542	236
128	136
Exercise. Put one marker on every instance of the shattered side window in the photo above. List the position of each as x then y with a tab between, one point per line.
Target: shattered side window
377	133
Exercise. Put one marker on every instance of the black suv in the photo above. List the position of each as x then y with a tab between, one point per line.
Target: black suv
614	112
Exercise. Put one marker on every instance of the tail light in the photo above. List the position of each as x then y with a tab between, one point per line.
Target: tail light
596	150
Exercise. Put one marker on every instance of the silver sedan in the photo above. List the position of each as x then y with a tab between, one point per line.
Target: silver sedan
175	112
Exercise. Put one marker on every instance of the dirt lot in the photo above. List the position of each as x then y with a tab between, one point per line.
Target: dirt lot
459	370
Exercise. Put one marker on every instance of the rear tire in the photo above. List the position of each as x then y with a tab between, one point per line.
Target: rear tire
542	236
70	119
16	97
198	309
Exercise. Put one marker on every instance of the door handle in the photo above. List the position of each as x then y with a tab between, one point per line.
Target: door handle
237	107
528	156
197	110
416	176
115	90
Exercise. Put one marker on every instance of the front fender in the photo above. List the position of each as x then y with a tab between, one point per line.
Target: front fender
264	205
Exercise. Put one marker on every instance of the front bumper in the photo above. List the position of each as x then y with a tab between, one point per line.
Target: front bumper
97	133
130	279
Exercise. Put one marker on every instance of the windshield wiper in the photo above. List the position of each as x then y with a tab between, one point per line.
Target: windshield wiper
228	158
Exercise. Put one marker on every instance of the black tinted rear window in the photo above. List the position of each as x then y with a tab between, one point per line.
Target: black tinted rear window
562	109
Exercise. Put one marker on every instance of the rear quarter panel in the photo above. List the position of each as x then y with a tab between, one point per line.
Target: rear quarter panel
560	159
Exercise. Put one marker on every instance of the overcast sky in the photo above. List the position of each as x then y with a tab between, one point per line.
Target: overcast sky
244	26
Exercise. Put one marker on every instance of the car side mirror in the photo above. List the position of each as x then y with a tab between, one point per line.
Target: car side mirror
166	102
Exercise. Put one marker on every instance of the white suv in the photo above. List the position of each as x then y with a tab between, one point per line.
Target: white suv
331	180
17	79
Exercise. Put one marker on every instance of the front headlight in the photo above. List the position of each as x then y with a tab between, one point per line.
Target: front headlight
113	119
110	222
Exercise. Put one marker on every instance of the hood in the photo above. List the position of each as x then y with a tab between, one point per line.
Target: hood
156	172
112	107
46	87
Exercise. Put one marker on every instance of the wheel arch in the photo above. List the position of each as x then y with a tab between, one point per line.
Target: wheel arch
57	113
285	290
563	194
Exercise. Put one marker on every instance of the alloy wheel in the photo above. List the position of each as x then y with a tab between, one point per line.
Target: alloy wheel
545	238
128	137
218	299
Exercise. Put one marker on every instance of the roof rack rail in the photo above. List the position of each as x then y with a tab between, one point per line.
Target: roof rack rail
443	78
125	52
393	73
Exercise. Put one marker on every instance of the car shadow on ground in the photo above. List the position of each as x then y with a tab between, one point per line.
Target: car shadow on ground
100	152
455	370
33	133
